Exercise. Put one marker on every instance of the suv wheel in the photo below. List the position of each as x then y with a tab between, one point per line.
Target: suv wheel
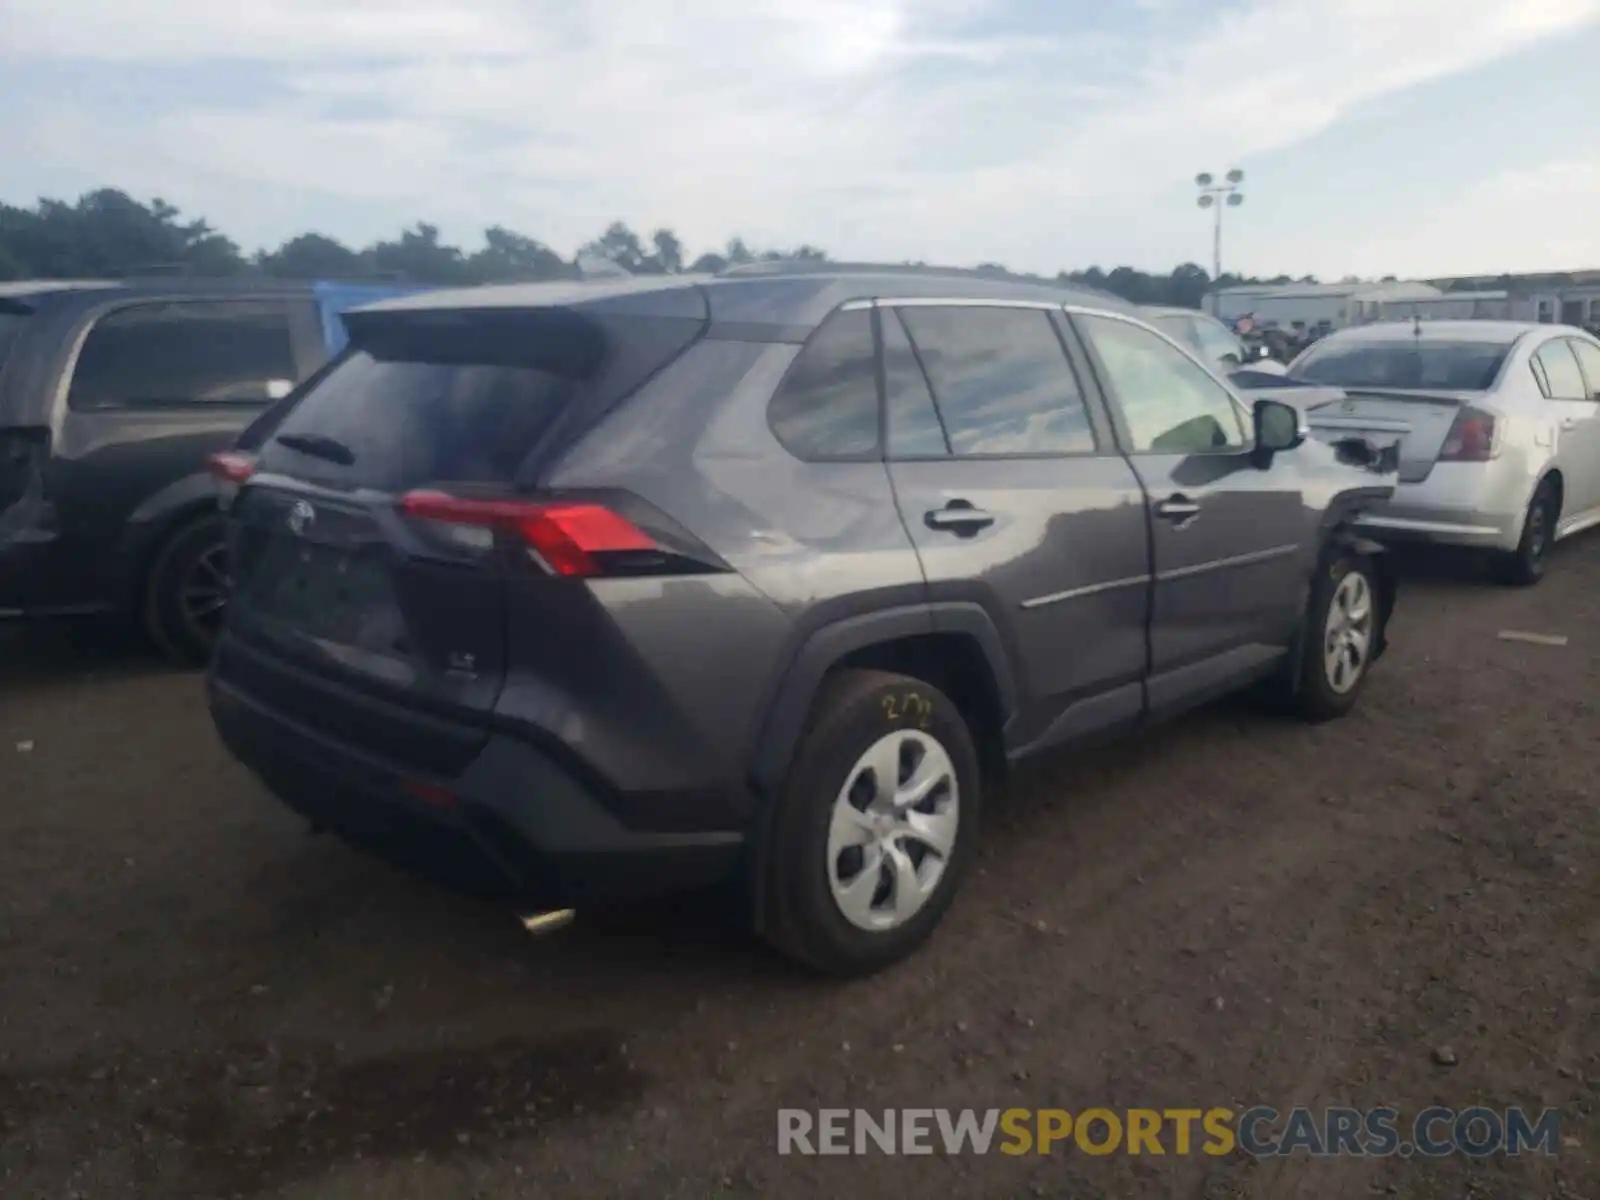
1341	634
186	591
875	825
1525	565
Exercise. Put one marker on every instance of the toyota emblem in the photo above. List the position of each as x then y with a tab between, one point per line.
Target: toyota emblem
301	514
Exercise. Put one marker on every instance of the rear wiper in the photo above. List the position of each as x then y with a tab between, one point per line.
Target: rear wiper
318	446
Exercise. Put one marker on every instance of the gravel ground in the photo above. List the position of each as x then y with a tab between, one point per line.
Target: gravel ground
198	999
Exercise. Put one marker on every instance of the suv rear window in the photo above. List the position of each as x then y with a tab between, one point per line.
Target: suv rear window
1411	363
434	398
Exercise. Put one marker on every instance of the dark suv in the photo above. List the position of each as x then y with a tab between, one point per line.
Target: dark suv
112	393
572	592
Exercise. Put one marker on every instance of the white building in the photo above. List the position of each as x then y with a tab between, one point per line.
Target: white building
1455	306
1339	304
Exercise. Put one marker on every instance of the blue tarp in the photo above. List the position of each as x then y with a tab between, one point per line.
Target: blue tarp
335	299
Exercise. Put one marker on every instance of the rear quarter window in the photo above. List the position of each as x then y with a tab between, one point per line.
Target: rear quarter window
826	408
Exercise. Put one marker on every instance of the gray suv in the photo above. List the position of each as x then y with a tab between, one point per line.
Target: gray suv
574	592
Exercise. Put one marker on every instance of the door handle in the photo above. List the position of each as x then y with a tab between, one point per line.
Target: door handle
959	517
1178	509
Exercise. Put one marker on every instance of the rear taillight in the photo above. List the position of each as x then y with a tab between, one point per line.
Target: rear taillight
230	470
576	539
1471	438
232	466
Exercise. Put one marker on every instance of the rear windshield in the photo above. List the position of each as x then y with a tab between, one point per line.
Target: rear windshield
419	403
1412	363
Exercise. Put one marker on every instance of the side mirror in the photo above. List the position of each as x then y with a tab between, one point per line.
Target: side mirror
1278	427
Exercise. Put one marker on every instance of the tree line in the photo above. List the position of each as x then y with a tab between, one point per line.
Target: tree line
108	234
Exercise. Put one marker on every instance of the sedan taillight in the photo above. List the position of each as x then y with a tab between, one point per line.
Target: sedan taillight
1471	437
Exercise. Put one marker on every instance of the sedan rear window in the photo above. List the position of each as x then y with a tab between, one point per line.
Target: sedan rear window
1411	363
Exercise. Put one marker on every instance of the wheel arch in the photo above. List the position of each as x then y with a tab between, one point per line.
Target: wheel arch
1339	536
958	641
904	639
151	523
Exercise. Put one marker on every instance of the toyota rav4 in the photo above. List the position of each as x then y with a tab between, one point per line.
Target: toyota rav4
574	592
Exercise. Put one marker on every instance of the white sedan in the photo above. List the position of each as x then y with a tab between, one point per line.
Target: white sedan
1498	424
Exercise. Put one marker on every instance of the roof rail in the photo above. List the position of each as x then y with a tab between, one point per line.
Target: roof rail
811	266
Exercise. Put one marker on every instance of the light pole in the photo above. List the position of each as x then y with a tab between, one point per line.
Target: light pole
1214	195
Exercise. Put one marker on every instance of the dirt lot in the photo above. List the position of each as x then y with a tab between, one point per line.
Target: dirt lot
198	999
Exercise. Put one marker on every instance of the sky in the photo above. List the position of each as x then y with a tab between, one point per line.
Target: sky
1405	137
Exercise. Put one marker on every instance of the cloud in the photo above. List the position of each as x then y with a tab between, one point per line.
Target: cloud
957	130
1552	205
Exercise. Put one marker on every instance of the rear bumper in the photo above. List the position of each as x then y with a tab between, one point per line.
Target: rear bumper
1459	504
515	826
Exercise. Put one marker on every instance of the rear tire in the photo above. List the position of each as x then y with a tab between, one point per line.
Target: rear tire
185	594
1525	566
852	887
1343	629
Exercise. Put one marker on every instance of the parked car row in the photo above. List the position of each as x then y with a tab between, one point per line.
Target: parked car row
573	592
112	393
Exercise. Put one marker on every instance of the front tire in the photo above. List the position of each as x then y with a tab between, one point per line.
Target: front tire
876	823
186	591
1525	566
1343	630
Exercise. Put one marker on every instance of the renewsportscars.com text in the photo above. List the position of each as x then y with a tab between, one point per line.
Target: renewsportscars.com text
1260	1131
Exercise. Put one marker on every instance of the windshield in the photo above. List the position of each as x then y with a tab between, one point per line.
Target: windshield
1409	363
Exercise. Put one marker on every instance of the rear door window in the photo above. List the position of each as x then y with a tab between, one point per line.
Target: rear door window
827	406
187	352
1561	371
915	430
1589	359
1001	380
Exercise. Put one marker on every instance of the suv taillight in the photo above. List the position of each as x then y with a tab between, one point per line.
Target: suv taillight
576	539
1471	437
